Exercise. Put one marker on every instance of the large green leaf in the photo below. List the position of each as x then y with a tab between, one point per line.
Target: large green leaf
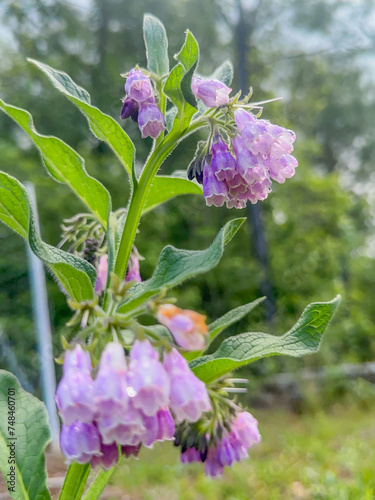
156	42
76	275
217	327
27	436
65	165
176	265
189	53
103	126
304	338
165	187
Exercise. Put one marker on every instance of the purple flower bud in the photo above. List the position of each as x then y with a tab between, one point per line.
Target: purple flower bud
150	120
190	455
101	280
77	358
129	451
166	426
223	163
212	92
109	456
129	109
188	397
212	466
133	268
147	379
74	394
138	86
214	191
187	327
80	442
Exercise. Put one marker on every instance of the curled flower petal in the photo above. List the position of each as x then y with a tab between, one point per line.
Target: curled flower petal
150	120
223	163
214	191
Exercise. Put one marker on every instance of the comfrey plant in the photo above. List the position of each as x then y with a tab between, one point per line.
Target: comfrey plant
127	385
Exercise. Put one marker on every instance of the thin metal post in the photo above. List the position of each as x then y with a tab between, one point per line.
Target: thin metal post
43	328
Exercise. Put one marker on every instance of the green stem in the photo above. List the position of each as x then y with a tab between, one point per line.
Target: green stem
75	482
138	199
100	482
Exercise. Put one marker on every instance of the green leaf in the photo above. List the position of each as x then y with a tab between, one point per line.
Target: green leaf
32	434
189	53
103	126
156	43
224	73
76	275
231	317
186	87
75	481
64	164
172	89
175	266
165	187
304	338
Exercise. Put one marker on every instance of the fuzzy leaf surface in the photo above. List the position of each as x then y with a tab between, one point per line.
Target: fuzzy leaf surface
103	126
177	265
304	338
33	434
76	275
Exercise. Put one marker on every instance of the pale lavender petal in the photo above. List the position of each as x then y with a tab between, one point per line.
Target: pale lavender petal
138	86
150	120
80	442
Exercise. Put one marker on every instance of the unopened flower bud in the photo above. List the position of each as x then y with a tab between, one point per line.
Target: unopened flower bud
188	328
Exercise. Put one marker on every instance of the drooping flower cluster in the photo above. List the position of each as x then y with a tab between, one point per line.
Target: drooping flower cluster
140	105
129	403
232	447
188	328
261	153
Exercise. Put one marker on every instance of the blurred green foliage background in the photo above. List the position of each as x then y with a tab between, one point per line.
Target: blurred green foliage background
318	226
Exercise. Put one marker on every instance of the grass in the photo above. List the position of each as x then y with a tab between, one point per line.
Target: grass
327	455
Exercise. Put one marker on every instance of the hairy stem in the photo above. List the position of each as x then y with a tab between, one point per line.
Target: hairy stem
138	199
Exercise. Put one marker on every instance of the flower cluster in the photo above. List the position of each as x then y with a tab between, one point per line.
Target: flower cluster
129	403
231	447
140	105
188	328
259	153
